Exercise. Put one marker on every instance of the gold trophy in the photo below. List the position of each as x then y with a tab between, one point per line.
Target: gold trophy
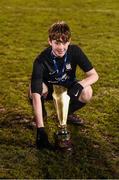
61	101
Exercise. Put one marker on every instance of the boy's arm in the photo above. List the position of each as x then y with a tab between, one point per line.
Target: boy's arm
36	90
84	63
37	109
91	78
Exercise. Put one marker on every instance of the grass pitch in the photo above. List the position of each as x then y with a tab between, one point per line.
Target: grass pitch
23	35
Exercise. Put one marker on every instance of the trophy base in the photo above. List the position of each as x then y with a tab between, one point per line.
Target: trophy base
63	140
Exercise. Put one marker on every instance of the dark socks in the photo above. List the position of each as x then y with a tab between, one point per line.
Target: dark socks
75	105
43	107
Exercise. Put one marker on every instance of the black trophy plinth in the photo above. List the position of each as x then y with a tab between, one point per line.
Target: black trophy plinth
63	140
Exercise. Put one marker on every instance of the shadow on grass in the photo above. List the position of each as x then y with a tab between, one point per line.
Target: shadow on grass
88	159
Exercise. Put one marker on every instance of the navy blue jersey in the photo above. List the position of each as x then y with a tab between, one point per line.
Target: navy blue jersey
44	69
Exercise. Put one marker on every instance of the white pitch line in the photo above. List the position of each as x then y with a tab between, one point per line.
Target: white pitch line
60	9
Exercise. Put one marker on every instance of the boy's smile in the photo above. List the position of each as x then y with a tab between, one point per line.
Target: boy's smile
59	48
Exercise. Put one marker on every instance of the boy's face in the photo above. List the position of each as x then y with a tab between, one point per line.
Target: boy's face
59	48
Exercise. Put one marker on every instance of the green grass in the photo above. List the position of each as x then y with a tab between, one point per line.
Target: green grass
23	34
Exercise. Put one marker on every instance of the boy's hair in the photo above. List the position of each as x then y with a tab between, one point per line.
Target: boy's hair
59	31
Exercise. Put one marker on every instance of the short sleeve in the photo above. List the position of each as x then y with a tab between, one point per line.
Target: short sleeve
82	60
37	76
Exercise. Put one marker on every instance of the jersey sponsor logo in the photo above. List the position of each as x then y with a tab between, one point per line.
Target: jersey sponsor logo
63	78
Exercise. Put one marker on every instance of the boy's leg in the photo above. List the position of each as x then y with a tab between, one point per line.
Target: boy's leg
76	104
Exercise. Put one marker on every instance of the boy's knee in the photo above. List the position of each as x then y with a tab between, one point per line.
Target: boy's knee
86	94
45	89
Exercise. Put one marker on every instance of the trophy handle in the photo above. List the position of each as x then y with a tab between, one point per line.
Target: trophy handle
61	101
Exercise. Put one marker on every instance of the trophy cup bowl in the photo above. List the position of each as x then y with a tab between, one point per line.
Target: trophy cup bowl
61	101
